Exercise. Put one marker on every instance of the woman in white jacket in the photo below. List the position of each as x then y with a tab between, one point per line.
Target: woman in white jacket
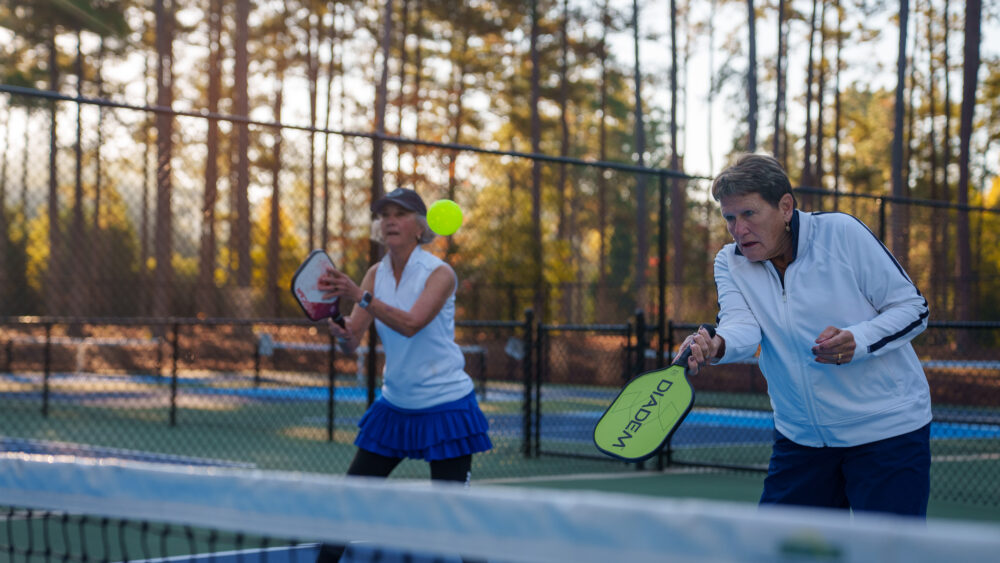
833	314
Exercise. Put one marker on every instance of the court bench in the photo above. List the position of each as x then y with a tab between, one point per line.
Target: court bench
82	345
266	345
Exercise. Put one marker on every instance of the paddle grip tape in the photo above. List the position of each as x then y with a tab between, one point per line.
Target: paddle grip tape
682	359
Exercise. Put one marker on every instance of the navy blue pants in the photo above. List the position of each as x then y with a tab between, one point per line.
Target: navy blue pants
891	475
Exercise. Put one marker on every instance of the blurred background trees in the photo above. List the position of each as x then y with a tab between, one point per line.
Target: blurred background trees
119	207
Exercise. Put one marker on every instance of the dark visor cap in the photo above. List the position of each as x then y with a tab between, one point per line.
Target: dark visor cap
403	197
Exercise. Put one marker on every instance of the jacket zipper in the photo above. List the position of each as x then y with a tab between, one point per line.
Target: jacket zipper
806	387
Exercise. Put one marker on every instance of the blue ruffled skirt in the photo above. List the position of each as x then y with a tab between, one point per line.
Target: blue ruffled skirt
443	431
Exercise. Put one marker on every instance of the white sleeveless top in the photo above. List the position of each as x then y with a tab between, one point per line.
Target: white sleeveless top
428	368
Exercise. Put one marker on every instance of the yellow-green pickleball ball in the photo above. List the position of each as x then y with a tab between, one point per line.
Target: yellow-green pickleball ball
444	217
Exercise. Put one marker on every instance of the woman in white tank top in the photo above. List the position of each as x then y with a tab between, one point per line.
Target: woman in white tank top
427	408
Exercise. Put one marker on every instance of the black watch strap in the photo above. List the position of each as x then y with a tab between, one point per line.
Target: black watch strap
366	300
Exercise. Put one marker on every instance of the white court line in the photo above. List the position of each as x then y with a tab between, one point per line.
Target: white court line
235	555
966	457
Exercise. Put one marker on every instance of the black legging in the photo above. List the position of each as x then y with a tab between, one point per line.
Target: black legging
370	464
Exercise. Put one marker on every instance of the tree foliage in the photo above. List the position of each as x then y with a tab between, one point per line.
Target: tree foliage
458	72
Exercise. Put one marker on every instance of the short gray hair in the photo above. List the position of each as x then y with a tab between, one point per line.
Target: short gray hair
426	237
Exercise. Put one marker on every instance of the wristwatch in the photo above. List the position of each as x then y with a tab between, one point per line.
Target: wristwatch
366	300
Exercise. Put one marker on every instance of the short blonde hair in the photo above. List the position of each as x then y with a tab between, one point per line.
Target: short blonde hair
426	237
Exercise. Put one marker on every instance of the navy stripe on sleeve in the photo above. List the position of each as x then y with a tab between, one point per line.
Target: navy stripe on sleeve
881	343
920	319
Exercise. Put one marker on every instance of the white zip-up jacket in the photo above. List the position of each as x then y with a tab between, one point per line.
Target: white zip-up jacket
841	276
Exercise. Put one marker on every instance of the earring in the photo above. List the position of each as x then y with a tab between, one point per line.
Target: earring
788	227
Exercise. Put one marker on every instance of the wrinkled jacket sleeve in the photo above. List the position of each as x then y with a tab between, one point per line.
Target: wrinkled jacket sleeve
736	323
902	310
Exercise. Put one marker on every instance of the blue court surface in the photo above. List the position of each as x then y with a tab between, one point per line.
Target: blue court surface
702	427
712	427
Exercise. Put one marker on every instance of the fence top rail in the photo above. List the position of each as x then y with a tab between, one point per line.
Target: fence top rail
152	321
224	321
621	166
585	328
897	199
930	324
963	324
490	324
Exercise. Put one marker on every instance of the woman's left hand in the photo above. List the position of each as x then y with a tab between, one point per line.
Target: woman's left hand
333	282
834	346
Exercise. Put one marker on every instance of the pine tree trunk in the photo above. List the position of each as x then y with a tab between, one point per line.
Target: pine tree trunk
807	170
779	98
678	195
751	78
641	211
241	106
205	298
162	240
898	189
973	11
536	171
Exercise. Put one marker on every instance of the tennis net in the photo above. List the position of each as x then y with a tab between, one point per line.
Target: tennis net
61	508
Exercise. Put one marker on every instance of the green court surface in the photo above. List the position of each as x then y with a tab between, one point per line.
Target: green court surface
735	486
285	422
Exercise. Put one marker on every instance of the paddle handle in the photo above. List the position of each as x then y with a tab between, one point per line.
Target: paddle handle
682	358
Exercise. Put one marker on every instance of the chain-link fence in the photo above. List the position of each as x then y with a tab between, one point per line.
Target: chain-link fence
581	370
102	221
172	262
274	394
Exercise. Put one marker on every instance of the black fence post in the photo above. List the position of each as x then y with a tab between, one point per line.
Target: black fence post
881	219
47	370
159	351
541	367
664	458
627	371
9	355
640	356
331	387
661	270
173	374
528	362
640	343
370	374
670	341
256	363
